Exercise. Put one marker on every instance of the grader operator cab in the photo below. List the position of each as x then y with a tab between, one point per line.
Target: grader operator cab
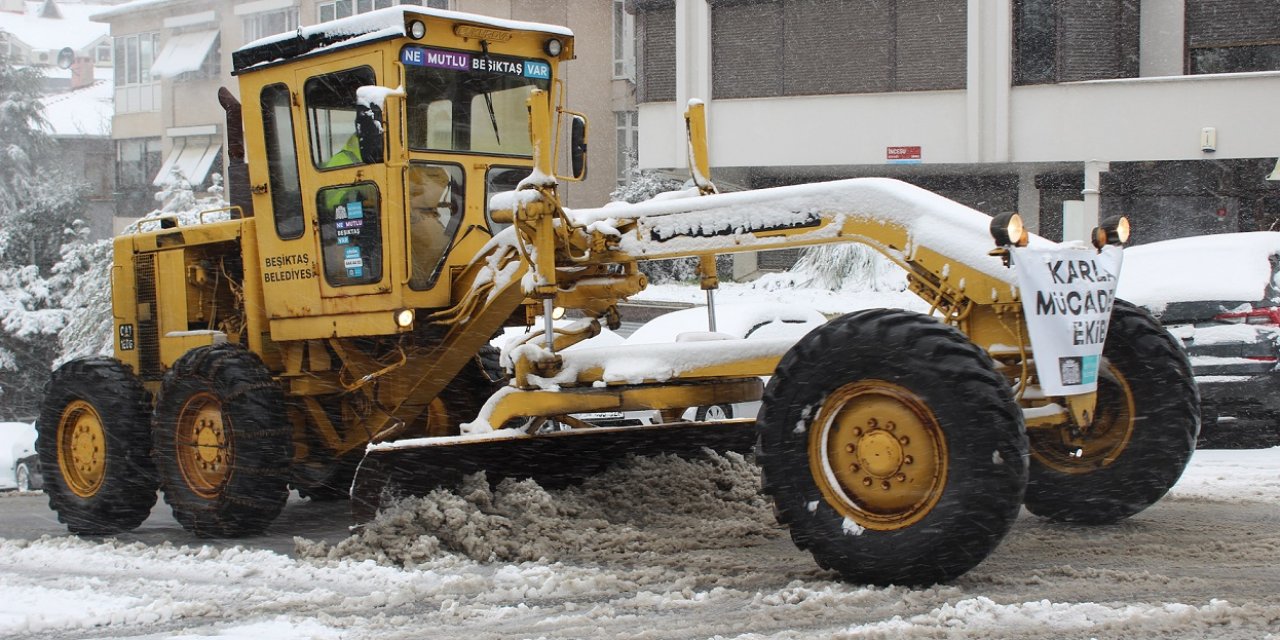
399	207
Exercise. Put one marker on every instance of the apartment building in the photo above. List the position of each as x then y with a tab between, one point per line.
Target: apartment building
1063	110
171	56
73	55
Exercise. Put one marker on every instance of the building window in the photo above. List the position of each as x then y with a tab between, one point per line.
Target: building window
137	162
269	23
656	50
1232	37
624	42
346	8
762	48
1072	40
102	53
628	144
133	57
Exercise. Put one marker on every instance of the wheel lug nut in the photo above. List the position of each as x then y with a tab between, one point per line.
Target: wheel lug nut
854	468
908	460
902	477
904	440
890	426
885	485
866	482
857	431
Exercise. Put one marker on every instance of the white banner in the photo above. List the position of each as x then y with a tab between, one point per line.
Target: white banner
1066	298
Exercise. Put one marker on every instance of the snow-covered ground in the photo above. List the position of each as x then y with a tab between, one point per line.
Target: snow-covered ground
666	548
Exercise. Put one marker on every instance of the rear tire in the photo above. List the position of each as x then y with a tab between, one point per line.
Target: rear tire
22	474
892	448
222	442
1147	418
94	445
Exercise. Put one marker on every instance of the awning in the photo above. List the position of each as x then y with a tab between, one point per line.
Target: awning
191	156
183	53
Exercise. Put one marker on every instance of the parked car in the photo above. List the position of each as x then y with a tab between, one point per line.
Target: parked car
734	320
1220	295
19	465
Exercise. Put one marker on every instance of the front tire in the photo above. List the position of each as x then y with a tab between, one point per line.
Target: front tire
892	448
94	442
1142	438
222	443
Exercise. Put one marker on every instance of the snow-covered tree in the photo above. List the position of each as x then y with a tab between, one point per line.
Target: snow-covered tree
848	266
39	205
82	280
644	185
23	141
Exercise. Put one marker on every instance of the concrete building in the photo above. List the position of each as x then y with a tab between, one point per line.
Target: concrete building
173	55
73	54
1059	109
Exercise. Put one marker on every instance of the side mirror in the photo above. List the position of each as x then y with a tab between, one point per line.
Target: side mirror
578	147
369	131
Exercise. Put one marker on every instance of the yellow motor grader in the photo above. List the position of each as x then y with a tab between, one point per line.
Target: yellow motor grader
395	205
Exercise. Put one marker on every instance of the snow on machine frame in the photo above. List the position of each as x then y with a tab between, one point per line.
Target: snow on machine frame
337	325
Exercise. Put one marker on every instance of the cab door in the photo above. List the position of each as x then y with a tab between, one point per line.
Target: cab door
344	171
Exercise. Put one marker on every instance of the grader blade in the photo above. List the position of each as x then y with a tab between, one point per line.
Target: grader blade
396	470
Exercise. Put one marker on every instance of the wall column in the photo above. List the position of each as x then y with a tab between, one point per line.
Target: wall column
1161	32
693	67
989	78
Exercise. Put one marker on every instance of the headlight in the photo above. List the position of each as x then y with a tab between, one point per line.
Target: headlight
1007	229
404	318
1114	231
417	29
553	47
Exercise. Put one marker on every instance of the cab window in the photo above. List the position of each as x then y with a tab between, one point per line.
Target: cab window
350	234
435	195
331	118
282	162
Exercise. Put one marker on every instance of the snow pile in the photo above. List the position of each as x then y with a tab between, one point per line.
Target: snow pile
981	617
658	505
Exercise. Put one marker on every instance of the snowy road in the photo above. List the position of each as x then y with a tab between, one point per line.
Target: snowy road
666	549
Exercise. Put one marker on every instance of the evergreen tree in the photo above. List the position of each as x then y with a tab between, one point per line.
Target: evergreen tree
38	205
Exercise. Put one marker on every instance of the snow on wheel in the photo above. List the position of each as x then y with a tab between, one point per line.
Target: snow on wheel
1142	436
222	443
94	442
892	448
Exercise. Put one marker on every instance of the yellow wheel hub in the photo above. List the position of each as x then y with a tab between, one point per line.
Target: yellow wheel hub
878	455
82	449
1102	442
203	445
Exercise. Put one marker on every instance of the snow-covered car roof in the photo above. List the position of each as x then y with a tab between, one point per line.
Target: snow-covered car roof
739	320
16	433
1224	267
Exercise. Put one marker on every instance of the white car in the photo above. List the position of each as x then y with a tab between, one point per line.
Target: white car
17	455
734	321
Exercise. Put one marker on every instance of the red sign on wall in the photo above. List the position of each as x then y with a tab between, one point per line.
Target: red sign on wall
902	154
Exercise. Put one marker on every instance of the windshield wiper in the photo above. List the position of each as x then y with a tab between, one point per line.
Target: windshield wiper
488	99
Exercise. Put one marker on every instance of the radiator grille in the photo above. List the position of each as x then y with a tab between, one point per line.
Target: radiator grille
148	329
